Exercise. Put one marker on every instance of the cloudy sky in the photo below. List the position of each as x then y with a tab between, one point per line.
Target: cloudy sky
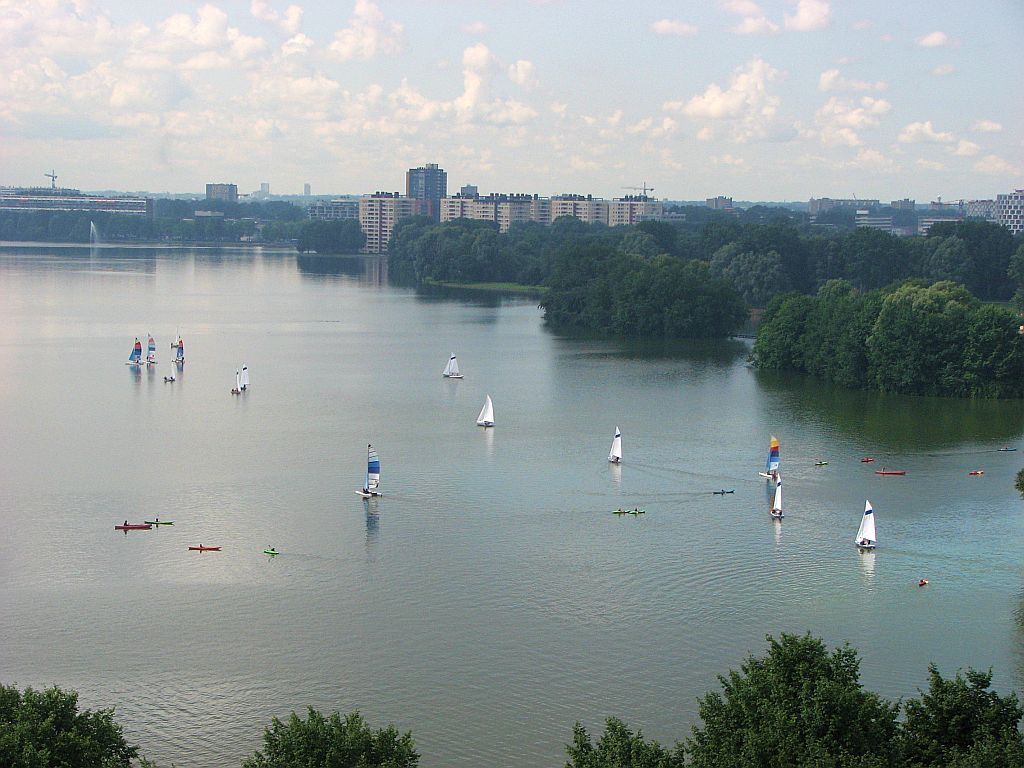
760	100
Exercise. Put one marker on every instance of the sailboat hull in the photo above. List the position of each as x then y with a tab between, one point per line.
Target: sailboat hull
369	495
865	547
452	375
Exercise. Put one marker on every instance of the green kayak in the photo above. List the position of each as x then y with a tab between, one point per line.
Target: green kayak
159	522
271	552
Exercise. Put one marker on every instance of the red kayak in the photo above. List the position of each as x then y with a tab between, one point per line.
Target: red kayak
976	472
133	527
205	549
866	459
890	471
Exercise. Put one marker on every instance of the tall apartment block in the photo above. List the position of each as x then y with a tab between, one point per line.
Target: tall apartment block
226	192
378	214
589	210
429	185
1010	211
632	209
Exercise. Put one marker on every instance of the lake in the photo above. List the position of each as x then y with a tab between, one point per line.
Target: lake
489	599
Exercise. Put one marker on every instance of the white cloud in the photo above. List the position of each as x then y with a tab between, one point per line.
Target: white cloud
475	28
742	7
756	25
296	45
920	133
965	148
810	15
933	40
874	160
729	160
521	73
673	27
831	80
987	126
289	21
745	104
944	69
839	119
368	34
996	166
931	165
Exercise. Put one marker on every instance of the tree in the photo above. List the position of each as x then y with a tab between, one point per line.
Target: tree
618	747
39	729
344	236
799	706
959	721
332	742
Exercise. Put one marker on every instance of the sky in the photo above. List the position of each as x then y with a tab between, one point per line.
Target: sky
757	100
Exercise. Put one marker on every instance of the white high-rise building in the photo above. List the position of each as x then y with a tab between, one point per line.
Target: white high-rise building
1010	211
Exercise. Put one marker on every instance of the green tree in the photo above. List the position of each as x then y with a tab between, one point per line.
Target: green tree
332	742
343	236
40	729
959	721
619	747
799	706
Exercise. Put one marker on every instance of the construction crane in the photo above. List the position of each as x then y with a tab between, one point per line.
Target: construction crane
52	176
645	189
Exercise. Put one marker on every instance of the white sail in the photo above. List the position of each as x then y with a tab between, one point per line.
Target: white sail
451	370
615	454
777	501
238	382
866	531
486	417
245	377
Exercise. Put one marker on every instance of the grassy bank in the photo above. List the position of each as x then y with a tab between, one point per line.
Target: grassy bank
525	290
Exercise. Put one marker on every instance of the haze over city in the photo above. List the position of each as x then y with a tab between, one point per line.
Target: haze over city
773	100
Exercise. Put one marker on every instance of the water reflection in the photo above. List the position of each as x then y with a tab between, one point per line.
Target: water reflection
474	297
616	470
867	563
368	270
897	422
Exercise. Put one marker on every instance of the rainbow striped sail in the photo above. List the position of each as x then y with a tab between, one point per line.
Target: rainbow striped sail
772	465
135	358
151	351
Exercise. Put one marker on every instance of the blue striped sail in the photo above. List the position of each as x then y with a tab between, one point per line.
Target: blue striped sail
772	465
136	355
180	354
151	351
372	469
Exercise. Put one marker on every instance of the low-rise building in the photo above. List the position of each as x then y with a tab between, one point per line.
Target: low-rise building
61	199
1009	211
865	219
339	208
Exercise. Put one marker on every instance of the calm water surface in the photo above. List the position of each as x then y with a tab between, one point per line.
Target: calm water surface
489	599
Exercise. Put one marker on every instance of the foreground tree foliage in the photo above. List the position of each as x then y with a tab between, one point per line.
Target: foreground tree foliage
332	742
40	729
910	338
619	747
798	706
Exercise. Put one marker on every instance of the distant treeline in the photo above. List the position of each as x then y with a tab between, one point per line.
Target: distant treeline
173	220
911	338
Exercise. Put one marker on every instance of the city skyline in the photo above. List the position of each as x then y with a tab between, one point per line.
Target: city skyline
778	100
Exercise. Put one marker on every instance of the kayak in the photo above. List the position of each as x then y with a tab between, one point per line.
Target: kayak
133	527
976	472
723	492
205	549
271	552
159	522
890	471
867	459
1006	449
821	463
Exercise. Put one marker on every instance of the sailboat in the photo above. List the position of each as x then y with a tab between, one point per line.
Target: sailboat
372	483
771	466
238	384
486	417
777	501
177	341
151	352
244	381
179	355
866	533
135	358
615	454
451	371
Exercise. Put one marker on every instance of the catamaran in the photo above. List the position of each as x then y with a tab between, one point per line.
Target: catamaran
777	501
486	417
151	352
771	467
135	358
615	454
451	371
179	354
244	381
866	533
177	341
238	384
372	483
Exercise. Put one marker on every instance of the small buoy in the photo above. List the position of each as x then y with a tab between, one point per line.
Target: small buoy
922	583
